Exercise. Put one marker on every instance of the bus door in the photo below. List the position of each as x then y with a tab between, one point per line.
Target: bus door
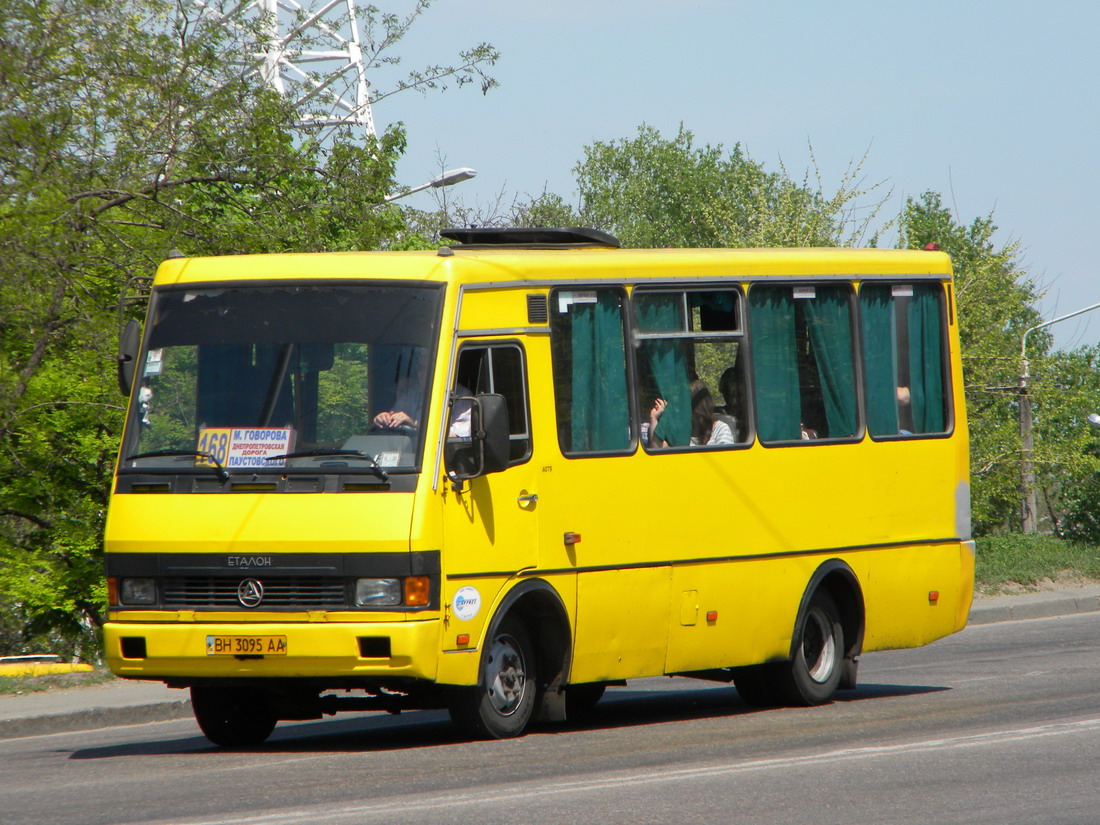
490	524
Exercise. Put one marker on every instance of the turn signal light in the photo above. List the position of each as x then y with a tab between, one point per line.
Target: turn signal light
933	596
417	591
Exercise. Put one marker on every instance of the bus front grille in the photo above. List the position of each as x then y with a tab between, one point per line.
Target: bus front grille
214	592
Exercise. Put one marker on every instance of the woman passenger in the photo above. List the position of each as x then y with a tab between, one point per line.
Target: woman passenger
707	428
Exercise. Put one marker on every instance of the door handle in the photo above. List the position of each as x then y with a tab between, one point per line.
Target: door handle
531	499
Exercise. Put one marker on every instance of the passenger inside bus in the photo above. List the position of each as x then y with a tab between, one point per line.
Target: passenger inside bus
730	413
708	429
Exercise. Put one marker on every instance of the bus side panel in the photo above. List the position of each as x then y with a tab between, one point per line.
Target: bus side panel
622	622
733	613
919	594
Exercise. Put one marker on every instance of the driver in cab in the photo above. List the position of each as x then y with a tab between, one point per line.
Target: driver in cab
408	399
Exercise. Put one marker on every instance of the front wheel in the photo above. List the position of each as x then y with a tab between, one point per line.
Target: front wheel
500	705
232	717
812	676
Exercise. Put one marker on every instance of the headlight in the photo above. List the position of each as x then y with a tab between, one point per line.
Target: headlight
377	592
139	591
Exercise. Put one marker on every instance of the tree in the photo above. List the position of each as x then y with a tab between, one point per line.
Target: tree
650	191
149	136
1066	386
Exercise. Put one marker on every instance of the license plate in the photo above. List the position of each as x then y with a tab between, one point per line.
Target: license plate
246	645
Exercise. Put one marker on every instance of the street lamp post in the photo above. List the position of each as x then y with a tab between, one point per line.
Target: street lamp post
448	178
1028	517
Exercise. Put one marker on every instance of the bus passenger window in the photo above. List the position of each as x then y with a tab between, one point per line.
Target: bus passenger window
688	342
589	355
903	358
495	369
803	362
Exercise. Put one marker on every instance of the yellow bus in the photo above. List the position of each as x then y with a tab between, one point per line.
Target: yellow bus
499	477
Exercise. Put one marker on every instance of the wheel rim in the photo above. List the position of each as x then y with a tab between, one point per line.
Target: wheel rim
505	675
819	646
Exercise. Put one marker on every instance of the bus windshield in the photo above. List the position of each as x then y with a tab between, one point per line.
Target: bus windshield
263	379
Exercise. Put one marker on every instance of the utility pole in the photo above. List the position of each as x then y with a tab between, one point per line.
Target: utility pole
1028	518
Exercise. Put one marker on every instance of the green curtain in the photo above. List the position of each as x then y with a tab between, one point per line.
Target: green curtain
667	361
775	364
926	360
828	322
879	358
600	414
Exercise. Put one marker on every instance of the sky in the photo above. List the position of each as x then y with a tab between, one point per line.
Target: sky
994	105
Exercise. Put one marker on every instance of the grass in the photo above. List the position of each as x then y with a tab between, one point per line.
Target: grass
10	685
1006	563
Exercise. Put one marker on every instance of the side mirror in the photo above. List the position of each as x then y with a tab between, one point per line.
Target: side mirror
129	340
486	450
491	428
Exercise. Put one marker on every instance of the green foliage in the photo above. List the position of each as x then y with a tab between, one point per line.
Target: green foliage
1027	559
1067	450
146	137
656	192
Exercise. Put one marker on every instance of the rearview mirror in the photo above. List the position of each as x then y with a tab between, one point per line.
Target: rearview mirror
486	450
128	342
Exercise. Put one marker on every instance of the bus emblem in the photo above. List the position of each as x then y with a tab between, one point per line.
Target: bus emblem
250	592
467	603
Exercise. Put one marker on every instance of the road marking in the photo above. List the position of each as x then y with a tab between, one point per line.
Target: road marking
624	780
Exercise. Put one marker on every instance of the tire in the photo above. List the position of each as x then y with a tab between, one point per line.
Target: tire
580	700
500	705
232	717
813	675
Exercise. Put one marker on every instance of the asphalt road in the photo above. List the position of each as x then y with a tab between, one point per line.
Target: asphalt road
999	724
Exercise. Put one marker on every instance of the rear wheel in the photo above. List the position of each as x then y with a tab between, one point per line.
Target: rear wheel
232	717
500	705
812	676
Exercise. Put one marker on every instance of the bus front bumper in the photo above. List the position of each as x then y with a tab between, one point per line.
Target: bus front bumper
372	650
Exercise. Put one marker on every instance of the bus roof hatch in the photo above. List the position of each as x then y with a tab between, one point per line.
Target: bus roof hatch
531	236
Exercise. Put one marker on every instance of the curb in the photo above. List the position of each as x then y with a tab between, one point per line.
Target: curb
1035	606
93	718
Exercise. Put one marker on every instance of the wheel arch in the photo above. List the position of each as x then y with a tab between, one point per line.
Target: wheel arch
837	579
538	605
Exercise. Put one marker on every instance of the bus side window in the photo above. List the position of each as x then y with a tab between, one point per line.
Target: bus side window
803	362
903	358
687	344
589	355
496	369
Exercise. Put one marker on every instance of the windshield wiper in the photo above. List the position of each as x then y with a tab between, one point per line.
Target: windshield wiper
222	473
374	465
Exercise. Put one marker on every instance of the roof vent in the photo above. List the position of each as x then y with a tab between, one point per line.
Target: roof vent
531	236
